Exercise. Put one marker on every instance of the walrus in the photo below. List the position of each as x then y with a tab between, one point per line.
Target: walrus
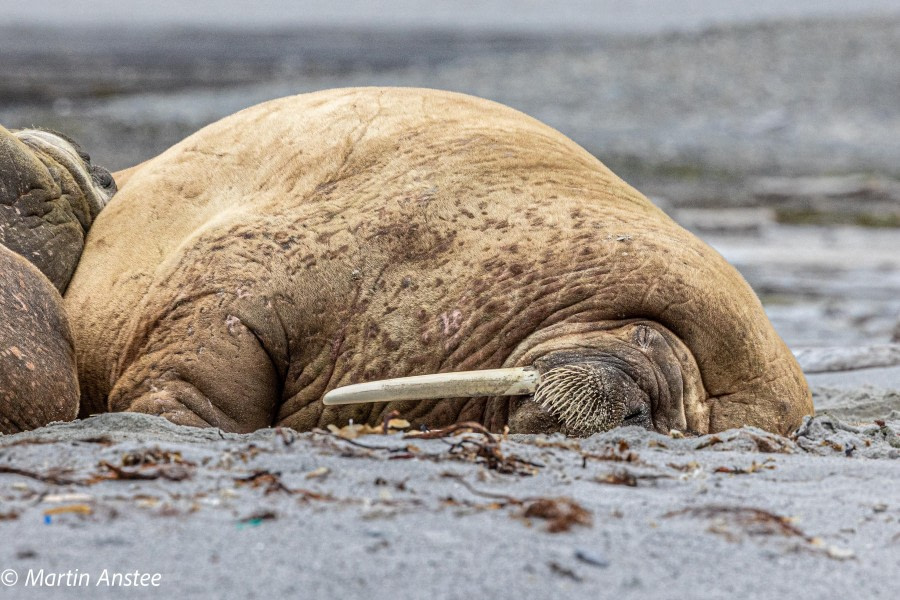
50	194
359	235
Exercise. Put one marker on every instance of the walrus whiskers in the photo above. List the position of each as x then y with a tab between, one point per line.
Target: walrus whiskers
578	396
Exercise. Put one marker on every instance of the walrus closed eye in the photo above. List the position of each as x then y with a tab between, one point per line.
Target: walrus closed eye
377	234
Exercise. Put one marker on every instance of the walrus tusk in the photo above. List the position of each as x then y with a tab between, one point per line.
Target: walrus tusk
515	381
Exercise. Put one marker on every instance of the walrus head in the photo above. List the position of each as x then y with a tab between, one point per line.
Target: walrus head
50	194
579	382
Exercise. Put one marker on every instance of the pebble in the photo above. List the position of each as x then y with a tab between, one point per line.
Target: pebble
590	557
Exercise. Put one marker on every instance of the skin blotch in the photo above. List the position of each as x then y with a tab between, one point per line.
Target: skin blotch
516	269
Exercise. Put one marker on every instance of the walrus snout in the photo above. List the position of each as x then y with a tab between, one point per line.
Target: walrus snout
565	393
581	384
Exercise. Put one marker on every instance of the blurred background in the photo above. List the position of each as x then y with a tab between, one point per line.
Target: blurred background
771	129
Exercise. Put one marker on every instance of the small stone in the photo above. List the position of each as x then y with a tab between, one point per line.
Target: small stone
591	558
318	473
840	553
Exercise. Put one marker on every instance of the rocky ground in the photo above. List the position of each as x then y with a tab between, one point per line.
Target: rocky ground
776	142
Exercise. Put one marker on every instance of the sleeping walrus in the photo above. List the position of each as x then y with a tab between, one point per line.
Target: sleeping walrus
49	196
354	235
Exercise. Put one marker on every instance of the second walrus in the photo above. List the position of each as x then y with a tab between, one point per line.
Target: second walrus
50	194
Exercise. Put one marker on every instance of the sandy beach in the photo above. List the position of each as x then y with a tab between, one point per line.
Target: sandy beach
315	515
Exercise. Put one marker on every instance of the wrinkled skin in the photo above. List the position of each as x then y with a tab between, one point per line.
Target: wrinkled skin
352	235
49	196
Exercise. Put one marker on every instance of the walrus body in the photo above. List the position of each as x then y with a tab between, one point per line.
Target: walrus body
350	235
49	195
38	381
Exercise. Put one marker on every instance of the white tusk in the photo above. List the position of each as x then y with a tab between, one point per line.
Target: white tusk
516	381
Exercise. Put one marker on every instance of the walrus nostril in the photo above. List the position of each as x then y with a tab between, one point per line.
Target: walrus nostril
582	397
634	415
